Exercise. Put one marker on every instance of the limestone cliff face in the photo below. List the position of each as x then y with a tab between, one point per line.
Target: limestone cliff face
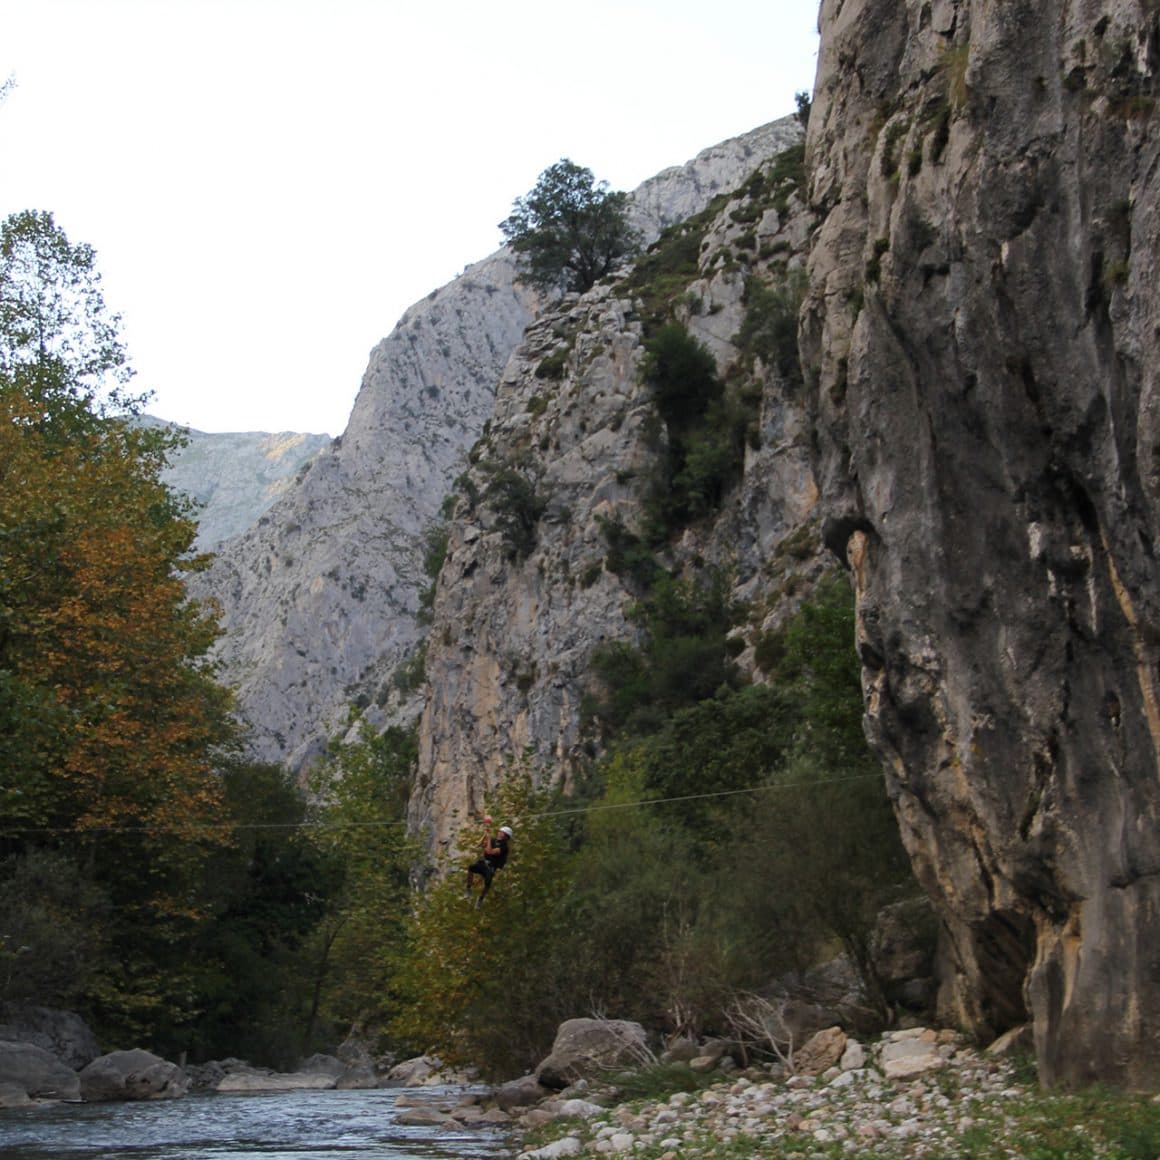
983	311
320	599
236	477
511	643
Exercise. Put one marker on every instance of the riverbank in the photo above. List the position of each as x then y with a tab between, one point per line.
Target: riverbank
973	1106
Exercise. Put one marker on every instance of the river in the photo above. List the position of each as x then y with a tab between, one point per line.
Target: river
304	1125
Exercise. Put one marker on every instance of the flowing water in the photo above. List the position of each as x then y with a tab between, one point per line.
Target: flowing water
304	1125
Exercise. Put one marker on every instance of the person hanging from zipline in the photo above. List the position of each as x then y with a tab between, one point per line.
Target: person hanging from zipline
494	857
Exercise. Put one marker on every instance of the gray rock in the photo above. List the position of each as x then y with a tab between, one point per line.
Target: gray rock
510	646
424	1117
132	1075
982	315
586	1047
63	1033
236	477
256	1080
322	596
37	1072
414	1072
821	1051
359	1077
521	1093
323	1065
13	1095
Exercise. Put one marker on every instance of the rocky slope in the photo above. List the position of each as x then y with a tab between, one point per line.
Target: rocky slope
320	599
983	314
513	632
236	477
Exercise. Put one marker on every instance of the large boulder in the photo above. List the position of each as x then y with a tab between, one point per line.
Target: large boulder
62	1033
416	1072
38	1072
821	1052
588	1047
132	1075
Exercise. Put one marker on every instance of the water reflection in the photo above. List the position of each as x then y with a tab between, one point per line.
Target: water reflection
310	1125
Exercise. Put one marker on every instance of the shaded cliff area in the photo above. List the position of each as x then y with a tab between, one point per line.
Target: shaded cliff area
983	317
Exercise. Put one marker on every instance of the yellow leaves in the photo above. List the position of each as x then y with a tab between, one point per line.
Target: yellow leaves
94	615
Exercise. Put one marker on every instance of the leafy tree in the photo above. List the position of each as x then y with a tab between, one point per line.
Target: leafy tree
488	985
632	875
361	792
683	375
683	656
58	342
570	230
266	896
803	101
49	949
704	451
111	721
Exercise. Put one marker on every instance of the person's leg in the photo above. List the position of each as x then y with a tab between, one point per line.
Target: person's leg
488	875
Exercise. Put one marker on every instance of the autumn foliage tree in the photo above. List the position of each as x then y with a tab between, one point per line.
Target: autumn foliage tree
109	712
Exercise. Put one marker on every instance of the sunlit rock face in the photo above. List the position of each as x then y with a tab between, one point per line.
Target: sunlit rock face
984	317
234	478
320	599
515	627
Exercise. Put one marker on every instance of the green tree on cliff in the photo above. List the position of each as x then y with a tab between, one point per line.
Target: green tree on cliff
570	230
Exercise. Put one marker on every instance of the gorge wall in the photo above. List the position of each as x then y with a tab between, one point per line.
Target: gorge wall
320	600
983	318
976	436
510	647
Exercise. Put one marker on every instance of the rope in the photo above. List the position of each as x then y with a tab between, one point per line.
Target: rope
592	809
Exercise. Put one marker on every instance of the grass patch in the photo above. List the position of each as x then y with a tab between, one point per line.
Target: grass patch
659	1081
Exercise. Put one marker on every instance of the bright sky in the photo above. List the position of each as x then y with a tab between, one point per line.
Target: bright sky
269	184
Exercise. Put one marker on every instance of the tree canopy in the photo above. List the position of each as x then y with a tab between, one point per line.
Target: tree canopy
570	230
111	720
58	342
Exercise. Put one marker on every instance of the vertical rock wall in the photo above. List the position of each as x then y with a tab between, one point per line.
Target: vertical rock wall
983	311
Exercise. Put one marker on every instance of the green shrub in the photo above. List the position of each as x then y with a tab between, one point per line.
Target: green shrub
769	330
512	493
704	452
628	556
683	375
683	656
552	366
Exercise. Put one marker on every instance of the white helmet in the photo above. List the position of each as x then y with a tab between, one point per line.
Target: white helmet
506	830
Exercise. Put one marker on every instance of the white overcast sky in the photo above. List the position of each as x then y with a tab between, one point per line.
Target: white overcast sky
269	184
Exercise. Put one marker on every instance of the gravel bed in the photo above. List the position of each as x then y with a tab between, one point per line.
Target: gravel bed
855	1112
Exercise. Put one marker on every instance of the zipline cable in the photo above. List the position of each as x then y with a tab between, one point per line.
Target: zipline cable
324	825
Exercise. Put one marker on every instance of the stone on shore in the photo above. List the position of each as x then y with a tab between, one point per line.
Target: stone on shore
132	1075
37	1072
256	1080
586	1047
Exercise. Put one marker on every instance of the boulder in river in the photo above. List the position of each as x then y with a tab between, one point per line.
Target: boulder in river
132	1075
37	1072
